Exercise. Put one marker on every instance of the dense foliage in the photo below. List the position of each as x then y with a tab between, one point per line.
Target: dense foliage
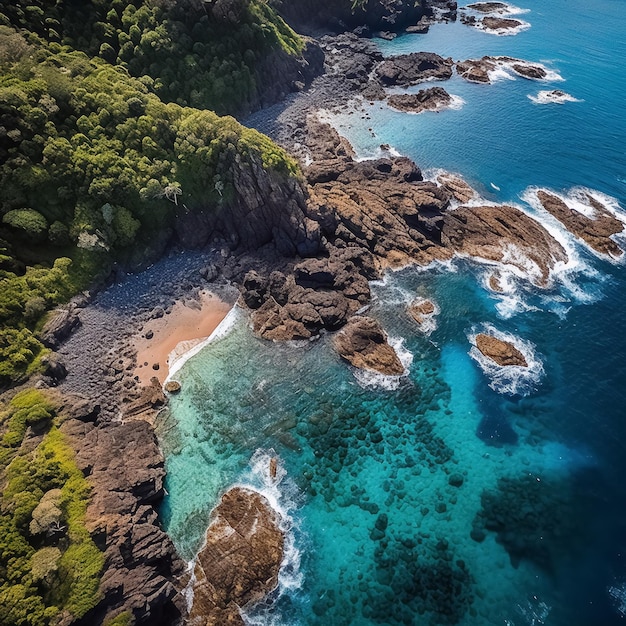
49	565
94	165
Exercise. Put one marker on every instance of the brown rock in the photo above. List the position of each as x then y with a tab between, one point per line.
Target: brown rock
240	562
475	70
534	72
151	398
502	352
363	343
430	99
494	232
488	7
595	231
457	187
419	309
172	386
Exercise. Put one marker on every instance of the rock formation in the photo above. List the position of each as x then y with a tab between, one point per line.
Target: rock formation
410	69
421	309
125	468
502	352
363	343
240	561
431	99
457	187
595	231
488	7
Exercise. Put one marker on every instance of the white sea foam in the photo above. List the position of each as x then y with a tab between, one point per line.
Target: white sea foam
554	96
223	328
506	10
504	32
368	378
576	198
506	71
510	379
284	497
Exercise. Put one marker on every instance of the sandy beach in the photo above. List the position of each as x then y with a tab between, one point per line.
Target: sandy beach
187	324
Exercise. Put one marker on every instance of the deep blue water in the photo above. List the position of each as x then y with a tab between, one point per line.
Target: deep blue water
460	493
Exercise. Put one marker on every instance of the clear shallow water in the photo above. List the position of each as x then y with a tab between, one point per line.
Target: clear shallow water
460	496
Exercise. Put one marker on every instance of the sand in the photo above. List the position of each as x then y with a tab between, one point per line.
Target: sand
184	327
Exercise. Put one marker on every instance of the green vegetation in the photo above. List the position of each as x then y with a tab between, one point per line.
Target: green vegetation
49	566
96	165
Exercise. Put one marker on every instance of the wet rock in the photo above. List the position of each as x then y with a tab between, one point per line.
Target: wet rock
420	309
499	23
457	187
432	99
535	72
595	231
240	561
502	352
54	367
363	343
172	386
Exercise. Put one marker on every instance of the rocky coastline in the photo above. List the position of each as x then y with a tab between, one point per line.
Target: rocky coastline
300	265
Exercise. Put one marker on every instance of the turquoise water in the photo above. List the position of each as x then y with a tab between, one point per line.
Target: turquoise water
459	493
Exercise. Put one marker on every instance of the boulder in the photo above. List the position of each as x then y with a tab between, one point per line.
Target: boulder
172	386
420	309
240	561
363	343
502	352
499	23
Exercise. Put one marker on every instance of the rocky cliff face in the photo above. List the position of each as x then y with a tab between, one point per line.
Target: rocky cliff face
376	15
123	463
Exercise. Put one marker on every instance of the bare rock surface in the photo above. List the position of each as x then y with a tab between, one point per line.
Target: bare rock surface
240	560
457	187
503	233
431	99
125	468
421	309
503	353
595	231
405	70
363	343
488	7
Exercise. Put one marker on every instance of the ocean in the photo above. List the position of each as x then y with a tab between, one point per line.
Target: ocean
459	493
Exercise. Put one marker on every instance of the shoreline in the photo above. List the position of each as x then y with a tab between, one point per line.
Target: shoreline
166	340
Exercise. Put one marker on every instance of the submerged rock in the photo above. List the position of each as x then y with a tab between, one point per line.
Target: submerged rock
363	343
503	353
240	562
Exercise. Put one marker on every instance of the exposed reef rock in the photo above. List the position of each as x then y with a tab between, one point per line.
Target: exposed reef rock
410	69
595	231
123	464
363	343
240	561
421	309
431	99
503	233
503	353
457	187
489	7
478	70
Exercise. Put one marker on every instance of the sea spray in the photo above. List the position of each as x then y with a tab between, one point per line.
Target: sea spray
508	379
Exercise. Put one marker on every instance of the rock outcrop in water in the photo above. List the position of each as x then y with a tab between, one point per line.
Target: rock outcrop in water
363	343
240	561
595	231
502	352
431	99
405	70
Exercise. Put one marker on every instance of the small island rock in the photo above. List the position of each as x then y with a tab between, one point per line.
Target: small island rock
363	343
503	353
